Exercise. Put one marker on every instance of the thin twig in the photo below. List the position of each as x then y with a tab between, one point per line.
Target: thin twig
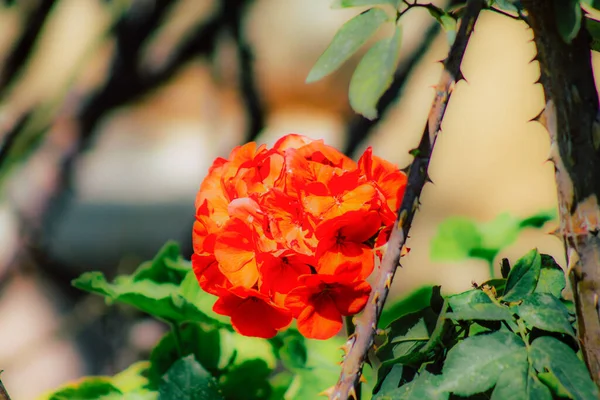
366	325
3	393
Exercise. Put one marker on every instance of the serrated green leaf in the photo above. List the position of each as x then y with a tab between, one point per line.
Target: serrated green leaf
546	312
424	386
187	380
374	74
593	27
351	36
475	364
158	299
523	277
568	18
476	305
552	277
361	3
548	353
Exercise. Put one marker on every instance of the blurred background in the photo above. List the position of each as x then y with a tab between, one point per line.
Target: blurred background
111	111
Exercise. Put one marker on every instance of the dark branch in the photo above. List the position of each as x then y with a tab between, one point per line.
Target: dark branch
32	25
248	87
571	118
366	325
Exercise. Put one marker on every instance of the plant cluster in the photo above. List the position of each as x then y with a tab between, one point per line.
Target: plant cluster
292	232
201	357
508	338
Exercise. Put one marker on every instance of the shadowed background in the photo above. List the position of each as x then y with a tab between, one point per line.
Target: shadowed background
112	111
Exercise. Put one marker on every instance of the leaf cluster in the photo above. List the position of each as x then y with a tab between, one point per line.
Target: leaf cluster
506	338
201	357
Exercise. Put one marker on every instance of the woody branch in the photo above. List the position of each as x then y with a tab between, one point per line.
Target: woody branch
570	117
359	344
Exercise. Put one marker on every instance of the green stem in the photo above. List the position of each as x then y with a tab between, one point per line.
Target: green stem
523	332
491	267
177	336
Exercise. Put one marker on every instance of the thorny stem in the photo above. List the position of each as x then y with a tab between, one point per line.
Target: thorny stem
350	328
366	325
570	116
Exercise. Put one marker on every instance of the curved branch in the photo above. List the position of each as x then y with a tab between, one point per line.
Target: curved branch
366	325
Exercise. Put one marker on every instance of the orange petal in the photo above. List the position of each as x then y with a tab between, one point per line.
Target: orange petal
320	320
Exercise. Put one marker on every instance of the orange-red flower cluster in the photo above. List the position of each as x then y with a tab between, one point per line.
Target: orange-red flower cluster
289	232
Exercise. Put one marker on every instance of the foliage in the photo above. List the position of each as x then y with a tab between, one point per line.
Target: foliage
459	238
202	357
507	338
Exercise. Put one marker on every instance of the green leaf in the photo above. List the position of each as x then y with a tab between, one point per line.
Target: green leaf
538	220
167	266
446	20
155	289
247	377
360	3
351	36
455	239
520	382
158	299
414	301
506	5
134	383
203	302
186	379
592	3
475	364
568	18
204	342
593	27
424	386
407	336
459	238
476	305
552	277
88	388
293	351
374	74
546	312
548	353
320	372
523	277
